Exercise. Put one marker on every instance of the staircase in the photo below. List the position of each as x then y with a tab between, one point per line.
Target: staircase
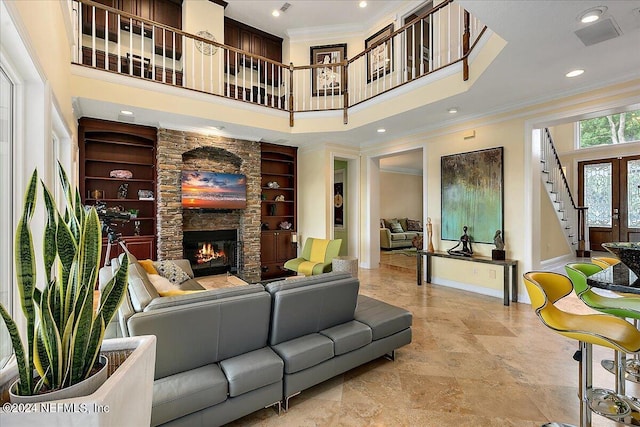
571	217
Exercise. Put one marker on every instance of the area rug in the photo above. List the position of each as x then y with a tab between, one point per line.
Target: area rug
220	281
405	251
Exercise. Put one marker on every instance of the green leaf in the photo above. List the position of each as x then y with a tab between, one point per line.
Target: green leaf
90	247
93	347
49	240
26	272
51	337
24	386
113	292
80	339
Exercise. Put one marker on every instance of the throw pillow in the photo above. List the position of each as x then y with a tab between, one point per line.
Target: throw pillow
172	272
414	225
382	224
403	223
396	227
147	264
162	284
388	222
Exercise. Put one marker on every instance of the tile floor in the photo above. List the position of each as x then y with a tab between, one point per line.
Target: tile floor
472	362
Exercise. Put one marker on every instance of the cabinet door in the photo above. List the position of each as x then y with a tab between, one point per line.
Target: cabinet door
169	13
100	20
268	251
284	246
231	38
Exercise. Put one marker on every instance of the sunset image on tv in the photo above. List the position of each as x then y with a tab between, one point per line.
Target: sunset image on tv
210	190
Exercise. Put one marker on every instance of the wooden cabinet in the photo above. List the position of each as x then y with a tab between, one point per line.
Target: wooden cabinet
109	146
276	248
100	18
255	42
278	207
168	12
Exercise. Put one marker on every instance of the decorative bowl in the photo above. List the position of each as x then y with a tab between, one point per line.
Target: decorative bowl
627	252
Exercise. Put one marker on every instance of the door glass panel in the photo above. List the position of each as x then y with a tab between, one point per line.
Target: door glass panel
633	193
598	194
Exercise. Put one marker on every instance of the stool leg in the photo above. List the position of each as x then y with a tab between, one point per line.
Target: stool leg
621	370
585	383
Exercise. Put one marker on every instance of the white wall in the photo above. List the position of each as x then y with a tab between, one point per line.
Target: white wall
400	195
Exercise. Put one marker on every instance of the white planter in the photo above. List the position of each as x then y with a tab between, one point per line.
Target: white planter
83	388
123	400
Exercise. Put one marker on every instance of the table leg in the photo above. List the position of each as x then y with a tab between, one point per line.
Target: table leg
428	268
514	283
419	268
505	280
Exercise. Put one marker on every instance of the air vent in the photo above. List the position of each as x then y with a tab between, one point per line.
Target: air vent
598	32
285	7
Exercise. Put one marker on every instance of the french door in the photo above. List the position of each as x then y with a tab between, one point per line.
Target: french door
610	188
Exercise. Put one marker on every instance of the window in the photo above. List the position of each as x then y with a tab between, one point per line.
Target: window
6	201
611	129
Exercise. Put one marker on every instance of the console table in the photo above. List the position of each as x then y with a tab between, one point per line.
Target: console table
505	263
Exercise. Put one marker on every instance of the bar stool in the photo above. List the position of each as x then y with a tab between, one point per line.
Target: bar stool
624	306
604	261
545	289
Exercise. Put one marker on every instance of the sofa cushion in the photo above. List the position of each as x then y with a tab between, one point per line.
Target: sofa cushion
304	352
414	225
383	319
403	224
348	336
202	295
191	285
161	284
396	227
171	271
309	309
141	290
252	370
186	392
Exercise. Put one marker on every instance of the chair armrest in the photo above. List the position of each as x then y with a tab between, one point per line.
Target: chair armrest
385	238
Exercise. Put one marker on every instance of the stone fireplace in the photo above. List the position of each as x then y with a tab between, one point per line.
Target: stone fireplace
213	252
180	150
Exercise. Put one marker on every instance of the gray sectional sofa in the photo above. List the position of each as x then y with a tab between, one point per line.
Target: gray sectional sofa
222	354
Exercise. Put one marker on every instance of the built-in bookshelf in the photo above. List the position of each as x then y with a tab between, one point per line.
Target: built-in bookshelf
118	168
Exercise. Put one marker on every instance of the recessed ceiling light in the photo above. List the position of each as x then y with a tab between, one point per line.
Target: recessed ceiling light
574	73
363	4
275	13
453	110
592	15
126	112
382	130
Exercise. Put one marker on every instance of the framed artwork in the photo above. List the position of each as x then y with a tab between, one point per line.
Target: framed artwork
327	80
338	199
472	187
380	58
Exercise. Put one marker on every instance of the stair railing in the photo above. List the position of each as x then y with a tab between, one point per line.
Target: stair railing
572	216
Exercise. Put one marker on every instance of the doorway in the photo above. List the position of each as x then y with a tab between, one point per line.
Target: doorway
610	188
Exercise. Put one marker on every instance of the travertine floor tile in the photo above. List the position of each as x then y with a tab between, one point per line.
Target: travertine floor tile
472	362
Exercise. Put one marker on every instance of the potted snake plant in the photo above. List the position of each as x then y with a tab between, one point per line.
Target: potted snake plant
63	331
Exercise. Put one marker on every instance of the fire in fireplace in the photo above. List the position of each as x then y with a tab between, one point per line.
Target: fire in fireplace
212	252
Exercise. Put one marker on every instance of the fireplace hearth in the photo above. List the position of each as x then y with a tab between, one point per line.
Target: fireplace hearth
212	251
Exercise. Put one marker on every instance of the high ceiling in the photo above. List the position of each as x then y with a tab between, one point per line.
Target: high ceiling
541	48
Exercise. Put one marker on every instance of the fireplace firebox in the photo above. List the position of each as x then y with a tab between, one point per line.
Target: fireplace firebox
212	251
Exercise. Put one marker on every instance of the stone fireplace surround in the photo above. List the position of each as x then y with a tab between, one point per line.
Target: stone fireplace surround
178	150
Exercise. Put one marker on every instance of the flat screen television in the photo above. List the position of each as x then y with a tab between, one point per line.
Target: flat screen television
212	190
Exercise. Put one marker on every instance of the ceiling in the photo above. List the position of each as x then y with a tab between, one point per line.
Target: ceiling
541	48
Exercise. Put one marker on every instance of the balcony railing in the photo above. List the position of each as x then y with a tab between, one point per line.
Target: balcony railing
116	41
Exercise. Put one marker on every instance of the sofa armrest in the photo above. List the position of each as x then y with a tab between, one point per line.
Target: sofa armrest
385	238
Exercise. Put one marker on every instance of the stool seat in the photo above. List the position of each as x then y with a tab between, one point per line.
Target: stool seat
545	289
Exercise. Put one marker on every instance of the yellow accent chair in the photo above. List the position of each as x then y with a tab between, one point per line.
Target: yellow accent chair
316	256
545	289
604	261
